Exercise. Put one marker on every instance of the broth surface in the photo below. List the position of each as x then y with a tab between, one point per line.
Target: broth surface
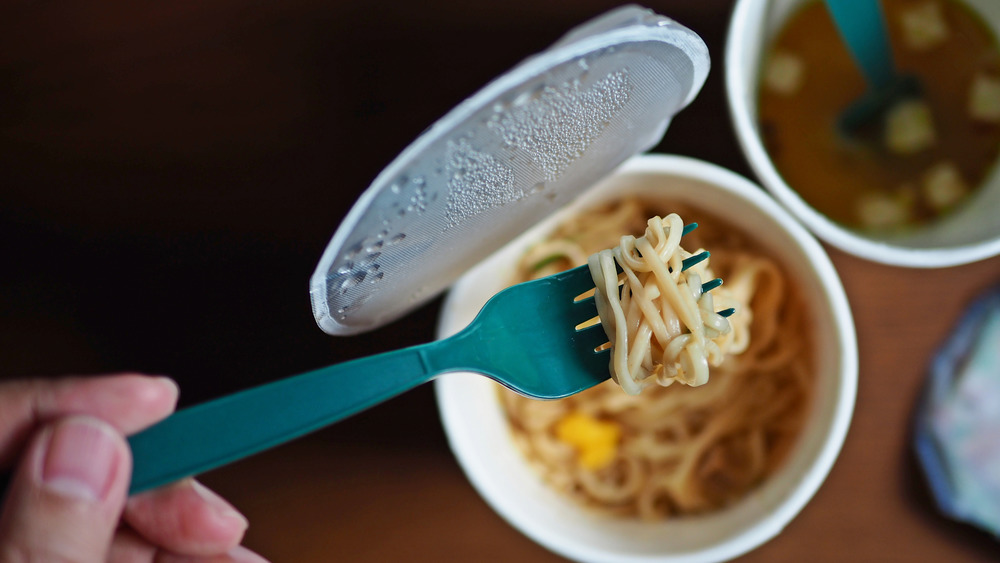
835	174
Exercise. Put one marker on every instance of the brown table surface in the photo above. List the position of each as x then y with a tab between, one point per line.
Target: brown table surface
170	173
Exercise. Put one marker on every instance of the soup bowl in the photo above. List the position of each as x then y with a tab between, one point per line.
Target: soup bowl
968	234
479	435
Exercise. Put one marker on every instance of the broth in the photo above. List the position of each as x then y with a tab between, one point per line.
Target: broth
865	184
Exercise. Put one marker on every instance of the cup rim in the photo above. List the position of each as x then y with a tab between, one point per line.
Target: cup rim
740	110
820	464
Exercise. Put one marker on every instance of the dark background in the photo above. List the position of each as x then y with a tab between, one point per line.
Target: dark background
170	173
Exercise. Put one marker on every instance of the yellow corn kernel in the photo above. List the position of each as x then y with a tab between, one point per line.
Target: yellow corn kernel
596	441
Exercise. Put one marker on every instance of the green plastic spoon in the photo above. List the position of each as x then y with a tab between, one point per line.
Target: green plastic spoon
862	26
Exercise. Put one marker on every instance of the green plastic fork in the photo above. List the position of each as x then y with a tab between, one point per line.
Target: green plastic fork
525	338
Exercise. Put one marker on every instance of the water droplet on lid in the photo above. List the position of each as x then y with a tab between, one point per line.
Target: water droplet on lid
536	188
395	188
556	125
345	268
352	281
397	239
522	99
484	182
354	250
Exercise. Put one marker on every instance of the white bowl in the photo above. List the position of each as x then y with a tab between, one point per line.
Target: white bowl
968	235
479	436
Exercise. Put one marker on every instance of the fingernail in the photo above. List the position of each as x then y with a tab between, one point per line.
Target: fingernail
219	504
240	554
81	459
169	384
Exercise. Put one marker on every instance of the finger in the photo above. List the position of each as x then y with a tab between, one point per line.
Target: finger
128	547
67	494
186	518
128	402
238	554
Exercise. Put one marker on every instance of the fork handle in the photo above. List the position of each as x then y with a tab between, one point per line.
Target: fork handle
211	434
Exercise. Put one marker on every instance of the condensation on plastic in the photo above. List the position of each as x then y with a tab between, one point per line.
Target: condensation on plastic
502	160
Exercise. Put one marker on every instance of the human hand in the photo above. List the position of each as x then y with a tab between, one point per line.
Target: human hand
67	500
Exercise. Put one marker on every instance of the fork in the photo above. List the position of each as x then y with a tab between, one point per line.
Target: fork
525	338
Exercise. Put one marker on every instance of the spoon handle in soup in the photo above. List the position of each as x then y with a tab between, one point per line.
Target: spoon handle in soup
862	26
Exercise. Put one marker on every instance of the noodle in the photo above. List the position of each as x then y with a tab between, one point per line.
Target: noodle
662	326
678	449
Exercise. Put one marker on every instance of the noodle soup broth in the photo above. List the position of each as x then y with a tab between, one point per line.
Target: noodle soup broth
945	142
833	183
481	436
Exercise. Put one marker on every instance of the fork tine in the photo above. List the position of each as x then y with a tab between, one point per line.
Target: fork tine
590	338
710	285
575	281
700	257
584	311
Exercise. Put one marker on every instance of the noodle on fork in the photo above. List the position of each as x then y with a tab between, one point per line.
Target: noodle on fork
661	324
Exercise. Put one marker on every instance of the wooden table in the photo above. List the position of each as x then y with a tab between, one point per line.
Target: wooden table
170	173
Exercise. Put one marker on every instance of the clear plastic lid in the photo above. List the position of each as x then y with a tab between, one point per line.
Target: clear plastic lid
520	148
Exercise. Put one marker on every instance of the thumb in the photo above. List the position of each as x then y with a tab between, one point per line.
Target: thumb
67	495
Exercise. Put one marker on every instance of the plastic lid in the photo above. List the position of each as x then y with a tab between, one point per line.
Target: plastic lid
517	150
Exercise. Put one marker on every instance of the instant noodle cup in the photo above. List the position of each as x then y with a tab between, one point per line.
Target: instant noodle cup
882	230
480	435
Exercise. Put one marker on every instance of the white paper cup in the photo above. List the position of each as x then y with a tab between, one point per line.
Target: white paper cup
967	235
479	436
